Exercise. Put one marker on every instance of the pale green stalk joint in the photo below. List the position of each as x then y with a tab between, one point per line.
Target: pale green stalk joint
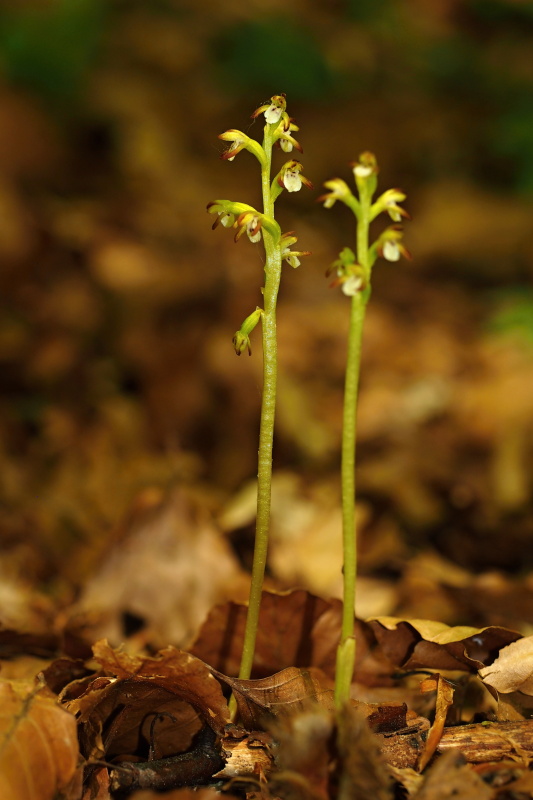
353	271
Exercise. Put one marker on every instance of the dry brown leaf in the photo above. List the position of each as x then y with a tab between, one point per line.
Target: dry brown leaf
116	710
39	745
295	629
282	694
177	546
98	788
513	669
414	644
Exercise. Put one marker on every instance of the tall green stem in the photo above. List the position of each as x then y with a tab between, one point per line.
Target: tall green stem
268	406
346	650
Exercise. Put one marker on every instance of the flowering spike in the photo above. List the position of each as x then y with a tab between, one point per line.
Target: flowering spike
278	130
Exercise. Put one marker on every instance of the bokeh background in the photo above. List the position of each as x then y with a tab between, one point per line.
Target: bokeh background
118	302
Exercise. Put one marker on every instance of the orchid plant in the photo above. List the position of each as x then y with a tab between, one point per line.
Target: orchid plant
261	226
353	274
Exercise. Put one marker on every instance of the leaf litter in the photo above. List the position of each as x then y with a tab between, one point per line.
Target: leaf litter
107	350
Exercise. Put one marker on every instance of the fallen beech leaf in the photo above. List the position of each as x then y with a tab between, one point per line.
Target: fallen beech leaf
116	710
282	694
99	786
295	629
415	644
178	546
513	669
38	744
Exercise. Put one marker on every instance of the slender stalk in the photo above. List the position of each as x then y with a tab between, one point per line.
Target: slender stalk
268	406
346	650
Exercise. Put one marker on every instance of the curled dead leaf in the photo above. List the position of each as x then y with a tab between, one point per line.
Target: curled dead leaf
282	694
513	669
171	695
415	643
38	744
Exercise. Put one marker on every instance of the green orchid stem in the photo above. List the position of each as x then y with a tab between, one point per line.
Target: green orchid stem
268	407
346	650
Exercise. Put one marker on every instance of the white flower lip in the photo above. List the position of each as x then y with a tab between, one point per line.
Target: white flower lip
391	251
292	181
361	171
273	114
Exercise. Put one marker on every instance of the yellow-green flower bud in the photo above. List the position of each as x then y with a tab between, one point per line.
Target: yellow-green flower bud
241	340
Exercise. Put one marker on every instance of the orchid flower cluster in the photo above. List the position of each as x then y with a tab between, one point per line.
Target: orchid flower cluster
261	225
353	276
353	273
246	219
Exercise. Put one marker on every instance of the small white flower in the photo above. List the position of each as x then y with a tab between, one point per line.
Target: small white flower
352	285
285	144
391	251
227	220
253	229
362	171
273	114
292	181
392	210
291	258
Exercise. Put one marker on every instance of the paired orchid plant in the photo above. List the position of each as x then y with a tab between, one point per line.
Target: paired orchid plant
353	274
353	271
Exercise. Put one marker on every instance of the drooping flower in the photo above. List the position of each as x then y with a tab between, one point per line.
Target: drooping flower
284	138
351	276
292	257
390	246
226	211
237	141
249	223
388	202
339	190
274	110
240	141
290	177
241	340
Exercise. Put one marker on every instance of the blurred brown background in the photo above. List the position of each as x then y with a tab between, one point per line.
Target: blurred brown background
118	303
